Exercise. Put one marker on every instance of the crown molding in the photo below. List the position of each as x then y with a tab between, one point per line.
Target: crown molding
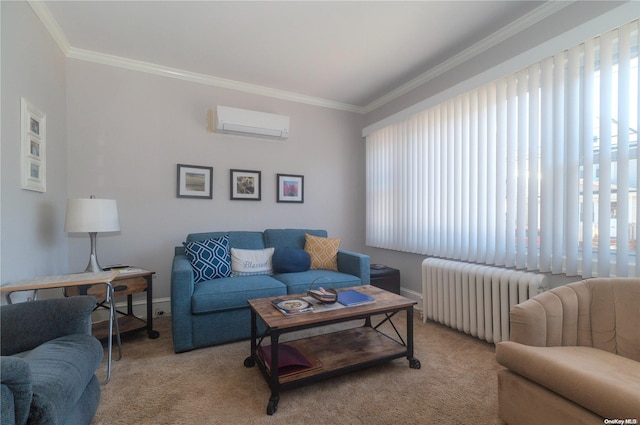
195	77
524	22
49	22
47	19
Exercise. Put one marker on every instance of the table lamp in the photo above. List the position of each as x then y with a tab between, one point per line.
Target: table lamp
92	216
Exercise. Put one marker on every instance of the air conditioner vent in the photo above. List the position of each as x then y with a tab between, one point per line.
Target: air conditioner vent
251	123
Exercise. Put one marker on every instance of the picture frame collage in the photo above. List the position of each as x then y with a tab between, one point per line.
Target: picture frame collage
33	132
194	181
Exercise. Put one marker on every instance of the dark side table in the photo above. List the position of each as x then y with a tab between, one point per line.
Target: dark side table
385	278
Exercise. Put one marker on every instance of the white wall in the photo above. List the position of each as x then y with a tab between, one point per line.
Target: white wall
127	131
32	229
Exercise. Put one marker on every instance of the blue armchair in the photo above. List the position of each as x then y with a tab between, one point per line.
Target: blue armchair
48	362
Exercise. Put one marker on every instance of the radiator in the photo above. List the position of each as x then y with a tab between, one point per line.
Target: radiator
475	299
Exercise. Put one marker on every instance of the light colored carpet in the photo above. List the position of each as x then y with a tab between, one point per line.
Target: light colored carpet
457	383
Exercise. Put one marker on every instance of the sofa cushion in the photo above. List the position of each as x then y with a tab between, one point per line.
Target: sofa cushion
249	262
524	402
605	383
209	258
323	252
279	238
298	283
231	293
61	370
290	260
237	238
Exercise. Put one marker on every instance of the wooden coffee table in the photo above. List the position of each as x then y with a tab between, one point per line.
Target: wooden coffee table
334	353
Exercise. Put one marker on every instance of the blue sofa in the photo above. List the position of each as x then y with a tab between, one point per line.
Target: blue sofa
48	363
216	311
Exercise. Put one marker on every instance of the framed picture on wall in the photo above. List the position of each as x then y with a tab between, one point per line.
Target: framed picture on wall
195	181
245	185
290	188
33	147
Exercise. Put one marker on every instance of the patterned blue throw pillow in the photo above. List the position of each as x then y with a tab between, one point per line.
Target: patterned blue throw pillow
210	258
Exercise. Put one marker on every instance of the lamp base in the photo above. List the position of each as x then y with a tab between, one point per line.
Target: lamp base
93	266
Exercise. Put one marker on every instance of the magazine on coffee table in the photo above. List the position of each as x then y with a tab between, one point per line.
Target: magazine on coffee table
319	306
303	305
308	304
293	306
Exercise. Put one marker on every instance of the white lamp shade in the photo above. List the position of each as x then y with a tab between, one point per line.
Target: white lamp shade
91	215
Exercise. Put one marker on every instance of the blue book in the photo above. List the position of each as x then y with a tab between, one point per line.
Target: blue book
352	297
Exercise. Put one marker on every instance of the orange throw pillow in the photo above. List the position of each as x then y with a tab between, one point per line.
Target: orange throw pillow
323	252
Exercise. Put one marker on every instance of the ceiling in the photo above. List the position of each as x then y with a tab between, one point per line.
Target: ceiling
349	55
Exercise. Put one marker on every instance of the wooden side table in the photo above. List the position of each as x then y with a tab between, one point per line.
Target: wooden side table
131	280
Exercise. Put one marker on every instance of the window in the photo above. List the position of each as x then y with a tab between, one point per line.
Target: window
536	170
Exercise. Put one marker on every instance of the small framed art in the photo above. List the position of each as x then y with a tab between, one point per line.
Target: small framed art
195	181
245	185
290	188
34	153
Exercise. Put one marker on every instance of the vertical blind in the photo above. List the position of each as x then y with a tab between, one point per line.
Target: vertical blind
537	170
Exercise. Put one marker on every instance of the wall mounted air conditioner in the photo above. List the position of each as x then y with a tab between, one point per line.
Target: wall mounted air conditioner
251	123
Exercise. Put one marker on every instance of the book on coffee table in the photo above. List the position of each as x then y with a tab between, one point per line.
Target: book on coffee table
352	297
290	360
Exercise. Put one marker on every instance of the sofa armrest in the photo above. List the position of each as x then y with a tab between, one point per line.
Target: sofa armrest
356	264
17	390
27	325
182	287
528	323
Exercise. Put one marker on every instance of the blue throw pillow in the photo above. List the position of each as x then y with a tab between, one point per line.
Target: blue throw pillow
290	260
210	258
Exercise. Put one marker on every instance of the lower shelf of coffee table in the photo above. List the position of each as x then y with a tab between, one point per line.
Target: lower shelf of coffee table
339	351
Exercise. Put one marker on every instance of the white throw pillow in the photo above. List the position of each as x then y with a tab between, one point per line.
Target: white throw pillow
249	262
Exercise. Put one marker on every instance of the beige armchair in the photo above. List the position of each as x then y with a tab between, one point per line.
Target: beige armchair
573	355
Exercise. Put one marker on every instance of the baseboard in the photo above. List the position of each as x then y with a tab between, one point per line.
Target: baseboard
412	295
408	293
161	306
